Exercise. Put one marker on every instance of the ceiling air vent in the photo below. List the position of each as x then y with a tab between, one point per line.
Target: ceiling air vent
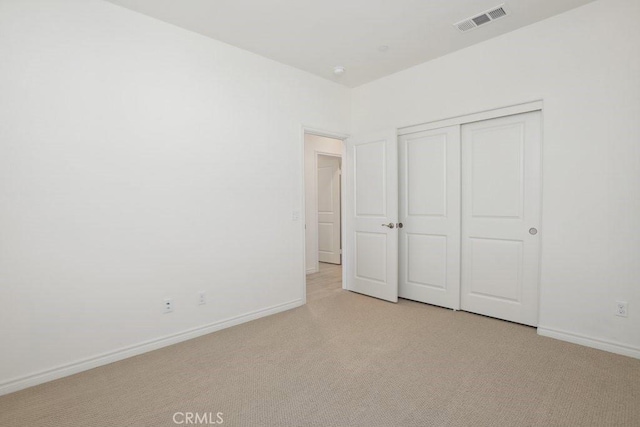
497	13
481	19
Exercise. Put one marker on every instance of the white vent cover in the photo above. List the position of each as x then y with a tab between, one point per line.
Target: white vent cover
482	18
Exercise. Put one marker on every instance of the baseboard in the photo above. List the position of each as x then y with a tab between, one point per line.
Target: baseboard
134	350
312	270
610	346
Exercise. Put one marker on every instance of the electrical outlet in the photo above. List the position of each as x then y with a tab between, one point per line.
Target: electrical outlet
167	306
621	309
295	215
202	298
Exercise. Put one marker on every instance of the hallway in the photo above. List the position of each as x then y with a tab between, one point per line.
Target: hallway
324	283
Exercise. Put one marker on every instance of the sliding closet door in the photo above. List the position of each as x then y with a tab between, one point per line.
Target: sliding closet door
430	215
501	192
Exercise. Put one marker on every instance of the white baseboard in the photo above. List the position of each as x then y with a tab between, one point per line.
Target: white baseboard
312	270
16	384
610	346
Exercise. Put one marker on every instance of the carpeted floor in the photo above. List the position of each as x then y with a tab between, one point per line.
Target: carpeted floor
349	360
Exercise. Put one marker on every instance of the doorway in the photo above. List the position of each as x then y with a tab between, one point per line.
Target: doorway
323	210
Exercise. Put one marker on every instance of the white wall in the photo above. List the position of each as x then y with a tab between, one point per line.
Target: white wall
585	65
314	144
141	161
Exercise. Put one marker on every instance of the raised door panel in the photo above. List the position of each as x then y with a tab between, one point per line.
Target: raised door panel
497	171
495	268
370	179
427	260
371	249
426	164
325	190
325	237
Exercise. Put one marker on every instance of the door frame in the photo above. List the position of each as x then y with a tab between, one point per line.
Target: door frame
510	110
311	130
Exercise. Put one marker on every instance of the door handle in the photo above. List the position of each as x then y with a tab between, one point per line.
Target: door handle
390	225
533	231
399	225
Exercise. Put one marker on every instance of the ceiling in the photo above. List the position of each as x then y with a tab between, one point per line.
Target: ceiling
317	35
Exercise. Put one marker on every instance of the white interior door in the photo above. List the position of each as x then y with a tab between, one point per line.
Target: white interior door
501	190
371	237
329	209
430	214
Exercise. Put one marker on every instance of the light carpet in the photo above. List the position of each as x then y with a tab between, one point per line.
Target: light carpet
349	360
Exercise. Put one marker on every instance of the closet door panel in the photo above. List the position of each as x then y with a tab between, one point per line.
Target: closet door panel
501	192
429	182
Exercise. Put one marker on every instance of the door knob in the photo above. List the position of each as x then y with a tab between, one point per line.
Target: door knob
533	231
399	225
390	225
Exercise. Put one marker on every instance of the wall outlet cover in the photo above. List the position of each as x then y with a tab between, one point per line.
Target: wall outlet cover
622	309
167	305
